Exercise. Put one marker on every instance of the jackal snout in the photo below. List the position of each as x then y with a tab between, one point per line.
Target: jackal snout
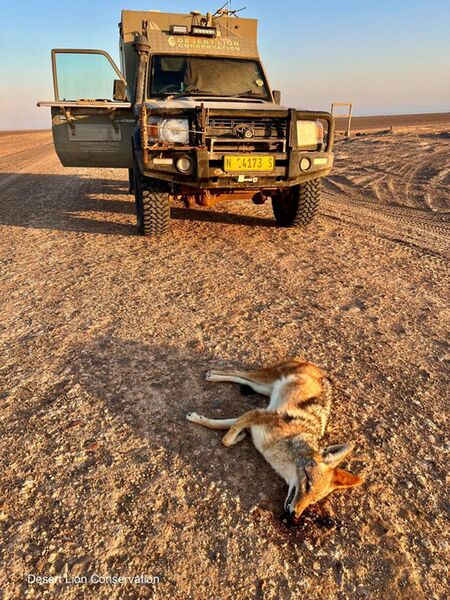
318	477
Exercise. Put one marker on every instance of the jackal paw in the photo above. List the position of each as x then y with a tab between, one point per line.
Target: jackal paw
229	440
194	417
209	376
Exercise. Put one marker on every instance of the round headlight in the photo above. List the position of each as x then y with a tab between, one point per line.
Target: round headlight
174	130
184	164
305	163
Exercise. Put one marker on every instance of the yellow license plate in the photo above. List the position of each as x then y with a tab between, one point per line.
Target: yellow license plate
249	162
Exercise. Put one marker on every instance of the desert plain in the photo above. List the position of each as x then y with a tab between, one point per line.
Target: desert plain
105	339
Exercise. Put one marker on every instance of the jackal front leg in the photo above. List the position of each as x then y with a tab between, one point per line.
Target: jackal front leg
253	417
210	423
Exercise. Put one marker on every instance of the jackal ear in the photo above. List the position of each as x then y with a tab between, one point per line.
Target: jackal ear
345	479
333	455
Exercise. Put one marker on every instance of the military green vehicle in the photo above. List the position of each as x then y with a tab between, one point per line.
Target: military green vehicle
191	114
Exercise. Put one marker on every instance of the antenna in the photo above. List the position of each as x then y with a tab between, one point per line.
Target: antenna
227	12
220	11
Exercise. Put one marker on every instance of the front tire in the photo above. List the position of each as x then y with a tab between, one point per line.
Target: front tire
152	205
297	206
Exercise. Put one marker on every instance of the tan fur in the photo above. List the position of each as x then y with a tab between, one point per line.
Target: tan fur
288	431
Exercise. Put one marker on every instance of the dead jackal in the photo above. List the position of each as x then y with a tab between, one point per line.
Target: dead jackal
287	432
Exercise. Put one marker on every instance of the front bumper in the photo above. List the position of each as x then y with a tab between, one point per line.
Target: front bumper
207	172
158	161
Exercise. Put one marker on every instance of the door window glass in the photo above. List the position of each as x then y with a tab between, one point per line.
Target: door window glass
83	76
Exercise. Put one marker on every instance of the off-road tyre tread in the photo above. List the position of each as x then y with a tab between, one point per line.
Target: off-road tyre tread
152	207
299	208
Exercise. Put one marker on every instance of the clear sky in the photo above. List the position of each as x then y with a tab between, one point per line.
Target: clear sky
385	56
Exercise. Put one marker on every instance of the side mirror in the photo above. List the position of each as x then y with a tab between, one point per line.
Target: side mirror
120	90
276	96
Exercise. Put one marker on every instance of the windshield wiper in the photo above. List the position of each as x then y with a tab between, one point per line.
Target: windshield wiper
195	92
198	91
251	94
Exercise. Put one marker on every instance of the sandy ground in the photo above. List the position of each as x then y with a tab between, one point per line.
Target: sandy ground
105	339
396	122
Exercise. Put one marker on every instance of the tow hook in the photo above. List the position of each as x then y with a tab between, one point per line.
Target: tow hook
260	198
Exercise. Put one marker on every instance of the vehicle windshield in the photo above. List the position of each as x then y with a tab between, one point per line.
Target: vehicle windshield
197	76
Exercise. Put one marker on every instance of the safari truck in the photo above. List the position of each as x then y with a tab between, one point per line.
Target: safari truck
192	116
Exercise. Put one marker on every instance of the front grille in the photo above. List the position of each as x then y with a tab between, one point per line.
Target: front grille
263	128
268	134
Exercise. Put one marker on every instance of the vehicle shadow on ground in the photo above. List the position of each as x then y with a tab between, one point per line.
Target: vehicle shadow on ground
212	216
151	388
81	204
66	203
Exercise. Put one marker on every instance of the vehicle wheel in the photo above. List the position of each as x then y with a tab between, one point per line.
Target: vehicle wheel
152	205
298	206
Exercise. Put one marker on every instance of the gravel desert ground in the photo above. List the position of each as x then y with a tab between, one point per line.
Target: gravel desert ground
105	339
364	124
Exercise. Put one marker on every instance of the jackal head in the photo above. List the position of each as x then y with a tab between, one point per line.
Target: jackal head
318	476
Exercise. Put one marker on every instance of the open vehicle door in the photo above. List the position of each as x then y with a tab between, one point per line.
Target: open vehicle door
92	116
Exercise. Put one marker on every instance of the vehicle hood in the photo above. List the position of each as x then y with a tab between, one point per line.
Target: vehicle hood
190	102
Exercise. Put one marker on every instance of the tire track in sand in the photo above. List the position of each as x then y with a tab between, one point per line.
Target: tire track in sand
393	198
32	160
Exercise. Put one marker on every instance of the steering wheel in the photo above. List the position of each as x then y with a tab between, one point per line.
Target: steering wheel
171	87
